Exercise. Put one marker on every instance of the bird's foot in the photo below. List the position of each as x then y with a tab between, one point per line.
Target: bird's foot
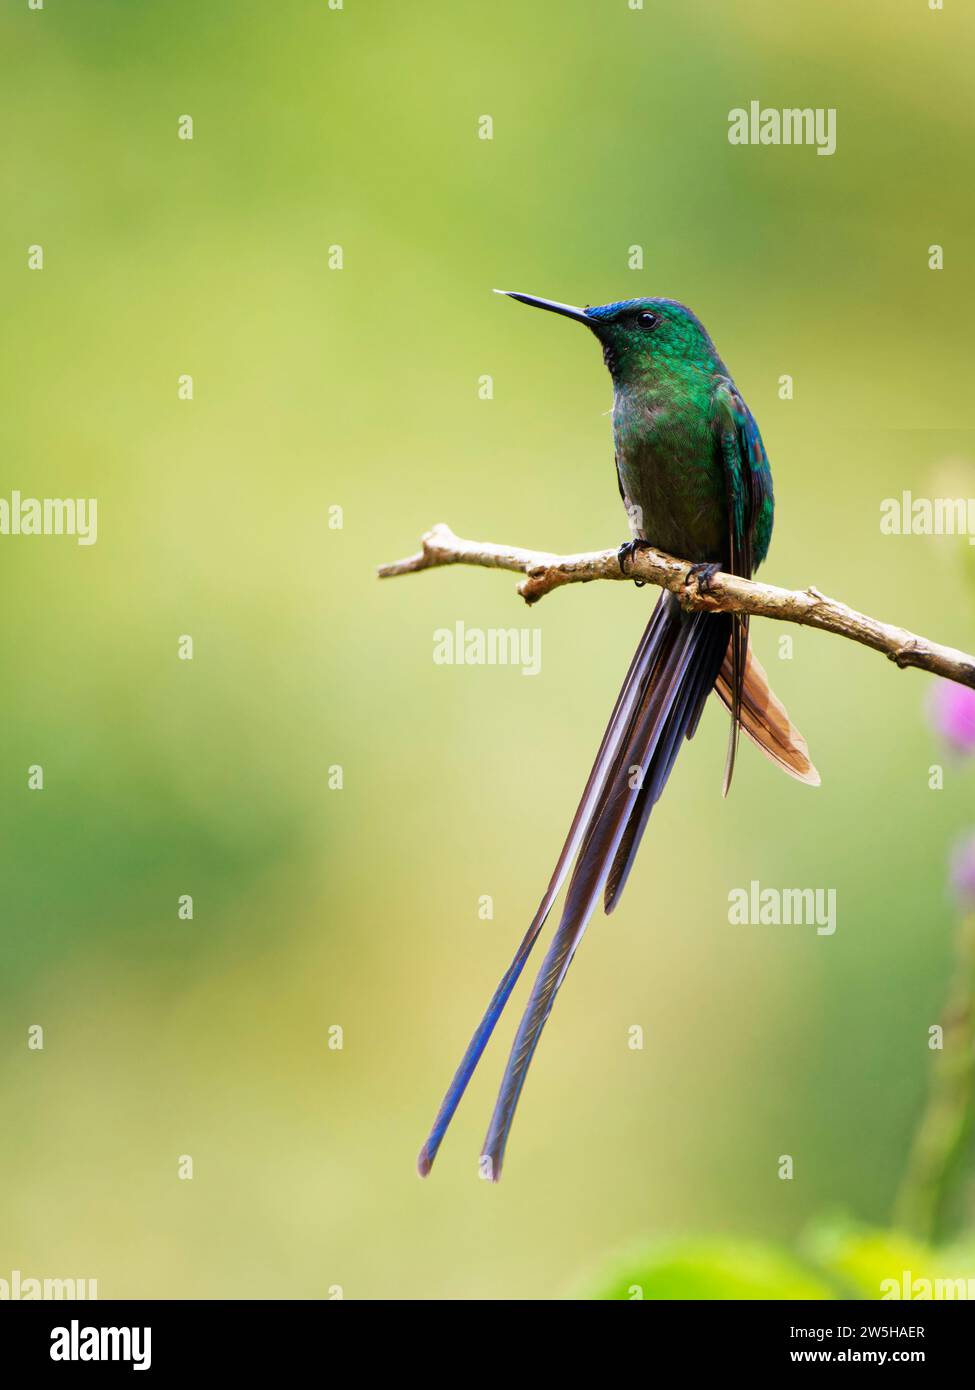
699	577
625	554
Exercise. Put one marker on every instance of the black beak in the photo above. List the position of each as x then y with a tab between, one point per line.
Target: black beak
568	310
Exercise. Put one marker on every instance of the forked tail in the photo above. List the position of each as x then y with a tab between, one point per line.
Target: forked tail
660	703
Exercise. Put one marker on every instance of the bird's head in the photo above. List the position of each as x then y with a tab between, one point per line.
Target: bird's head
640	337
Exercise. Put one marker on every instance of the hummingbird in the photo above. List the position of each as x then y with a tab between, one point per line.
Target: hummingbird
695	480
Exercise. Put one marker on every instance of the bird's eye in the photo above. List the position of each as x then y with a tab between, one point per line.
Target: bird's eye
646	319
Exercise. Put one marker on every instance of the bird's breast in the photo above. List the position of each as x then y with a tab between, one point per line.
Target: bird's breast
671	476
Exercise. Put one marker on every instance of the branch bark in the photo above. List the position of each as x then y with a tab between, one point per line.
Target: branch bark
725	593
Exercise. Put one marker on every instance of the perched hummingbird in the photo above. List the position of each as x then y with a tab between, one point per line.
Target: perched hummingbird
695	481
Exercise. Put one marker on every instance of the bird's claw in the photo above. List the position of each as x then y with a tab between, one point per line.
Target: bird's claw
626	552
699	576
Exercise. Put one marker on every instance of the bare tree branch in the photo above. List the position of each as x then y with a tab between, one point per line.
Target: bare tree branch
725	593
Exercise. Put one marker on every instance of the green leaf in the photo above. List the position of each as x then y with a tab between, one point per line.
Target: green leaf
709	1269
882	1264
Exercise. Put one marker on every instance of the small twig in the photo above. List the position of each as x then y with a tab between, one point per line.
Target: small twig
724	593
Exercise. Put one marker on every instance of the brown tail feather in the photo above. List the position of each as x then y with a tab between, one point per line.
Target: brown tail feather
765	720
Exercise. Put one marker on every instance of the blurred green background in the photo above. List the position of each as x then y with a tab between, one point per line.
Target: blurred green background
359	388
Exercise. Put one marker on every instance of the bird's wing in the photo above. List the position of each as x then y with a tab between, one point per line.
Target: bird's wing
748	490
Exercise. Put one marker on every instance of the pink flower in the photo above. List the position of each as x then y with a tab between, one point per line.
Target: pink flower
951	710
